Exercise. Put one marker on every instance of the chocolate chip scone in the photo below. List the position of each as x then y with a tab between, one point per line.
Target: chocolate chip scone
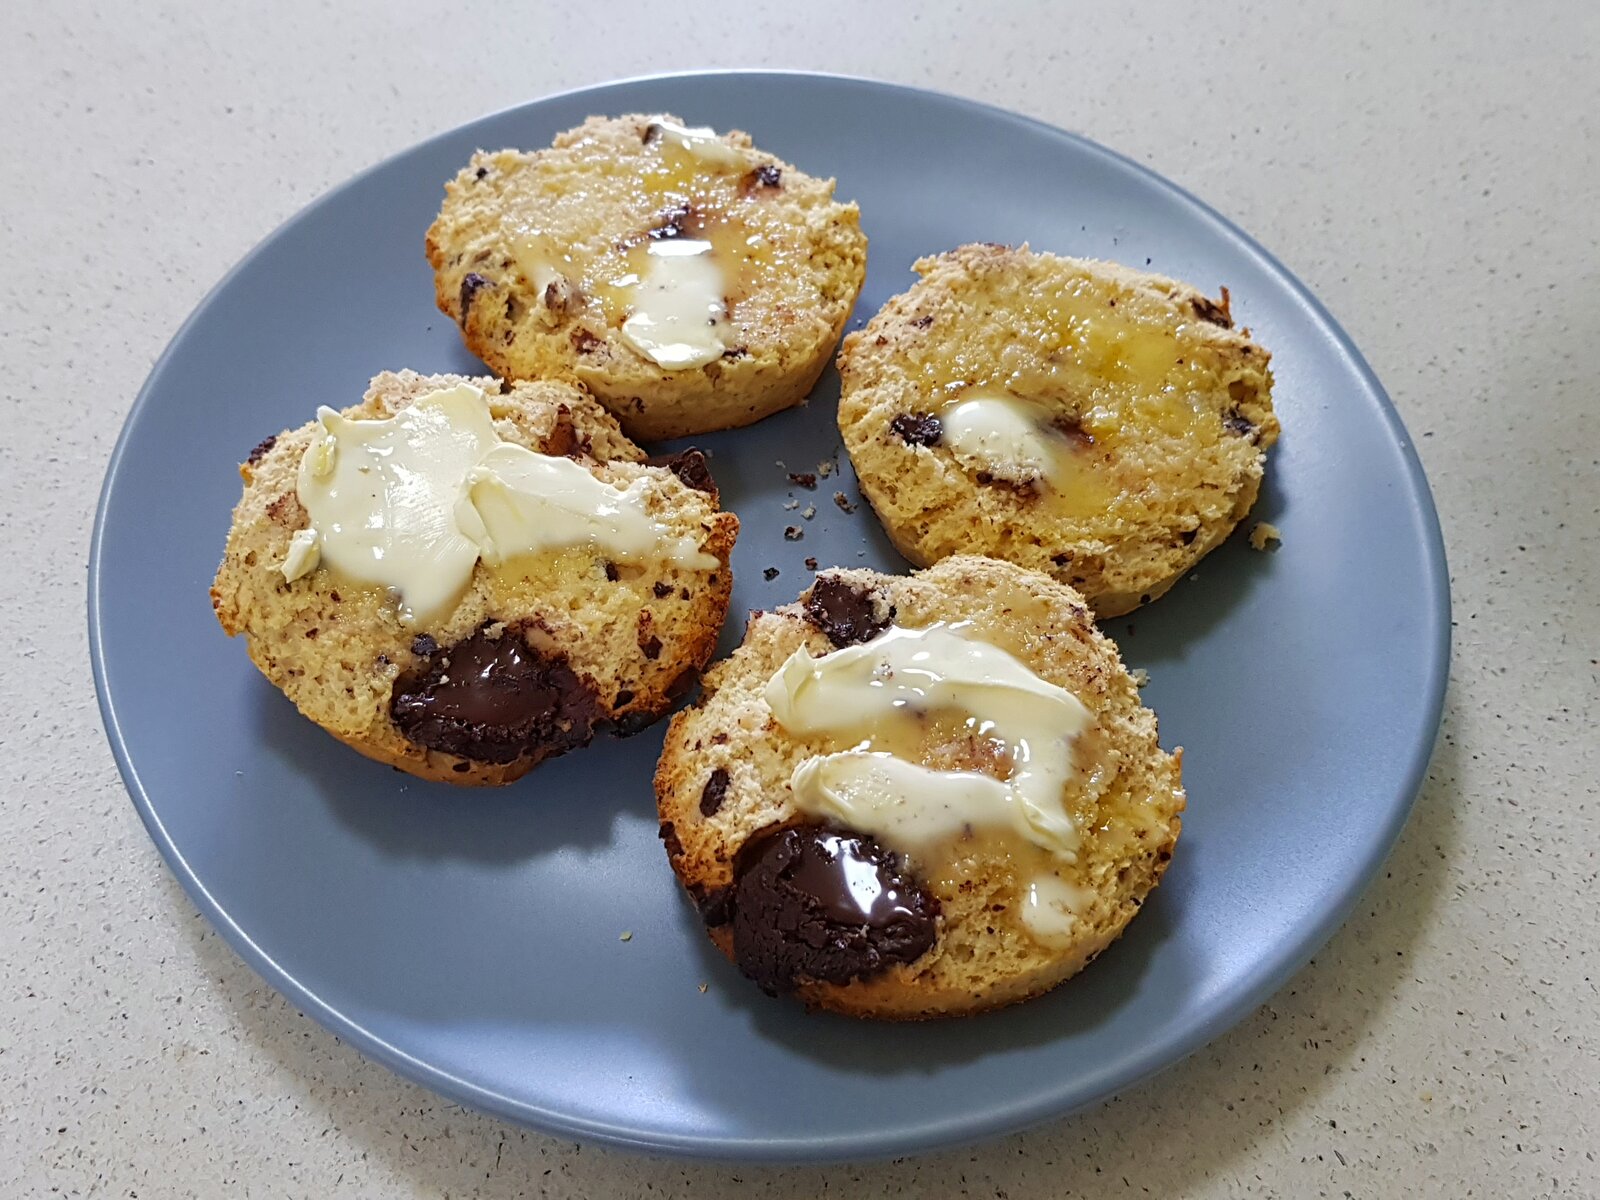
908	797
691	281
1105	426
463	579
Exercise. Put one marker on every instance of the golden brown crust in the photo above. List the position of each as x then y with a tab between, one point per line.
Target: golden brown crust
1179	469
635	635
585	194
983	958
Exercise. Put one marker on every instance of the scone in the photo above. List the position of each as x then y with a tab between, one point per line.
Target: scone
1105	426
462	579
908	797
691	281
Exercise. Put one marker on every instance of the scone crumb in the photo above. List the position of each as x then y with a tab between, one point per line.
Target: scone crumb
627	936
803	479
704	988
791	503
1263	535
824	469
1140	676
809	511
793	533
843	502
811	564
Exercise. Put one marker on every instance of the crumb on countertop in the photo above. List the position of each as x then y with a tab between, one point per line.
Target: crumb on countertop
809	511
793	533
824	469
791	502
843	502
770	573
705	987
1140	676
811	564
803	479
1264	534
627	936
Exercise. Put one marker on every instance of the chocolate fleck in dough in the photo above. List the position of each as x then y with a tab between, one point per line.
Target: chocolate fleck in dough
844	611
812	903
714	793
918	429
493	699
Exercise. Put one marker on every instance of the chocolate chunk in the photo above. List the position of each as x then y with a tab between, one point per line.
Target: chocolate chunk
651	647
611	572
676	222
1214	312
584	342
690	467
471	285
668	834
803	479
764	176
770	574
918	429
923	321
1070	426
811	564
424	645
494	700
716	906
844	611
662	590
564	440
631	723
480	172
624	698
736	352
714	792
1188	536
812	903
262	447
1235	422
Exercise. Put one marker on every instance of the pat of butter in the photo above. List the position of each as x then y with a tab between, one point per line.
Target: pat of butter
528	503
678	306
382	496
1000	435
303	556
412	502
867	691
701	141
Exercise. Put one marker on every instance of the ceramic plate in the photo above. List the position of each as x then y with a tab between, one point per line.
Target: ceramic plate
472	940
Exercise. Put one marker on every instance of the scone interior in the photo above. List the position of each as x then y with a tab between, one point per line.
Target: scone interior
1103	425
907	920
474	667
691	281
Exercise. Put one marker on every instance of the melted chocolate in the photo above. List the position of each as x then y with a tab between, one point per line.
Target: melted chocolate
844	611
812	903
495	699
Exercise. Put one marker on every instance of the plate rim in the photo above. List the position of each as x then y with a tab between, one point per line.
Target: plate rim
1266	976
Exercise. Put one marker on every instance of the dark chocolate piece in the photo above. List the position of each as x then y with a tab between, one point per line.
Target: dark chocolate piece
714	793
812	903
918	429
494	699
844	611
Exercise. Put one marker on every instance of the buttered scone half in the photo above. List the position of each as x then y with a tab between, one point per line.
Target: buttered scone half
1107	427
908	797
463	580
689	280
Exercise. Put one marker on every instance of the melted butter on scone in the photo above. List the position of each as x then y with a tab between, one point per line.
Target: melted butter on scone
700	142
678	304
528	503
880	691
411	502
1028	444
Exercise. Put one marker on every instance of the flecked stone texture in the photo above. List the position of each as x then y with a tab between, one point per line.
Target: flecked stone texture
1430	170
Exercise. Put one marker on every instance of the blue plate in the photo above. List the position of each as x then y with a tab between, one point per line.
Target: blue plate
472	941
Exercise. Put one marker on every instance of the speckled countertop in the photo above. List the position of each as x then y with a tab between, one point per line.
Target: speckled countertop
1430	170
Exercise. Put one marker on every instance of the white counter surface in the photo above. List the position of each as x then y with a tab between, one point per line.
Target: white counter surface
1430	170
